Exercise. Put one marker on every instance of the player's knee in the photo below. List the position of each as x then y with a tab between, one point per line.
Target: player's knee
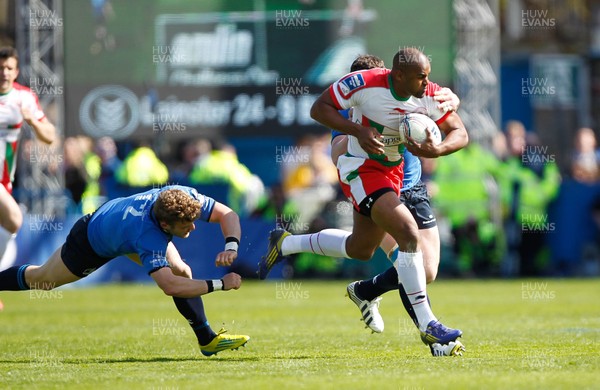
430	276
359	250
408	243
361	254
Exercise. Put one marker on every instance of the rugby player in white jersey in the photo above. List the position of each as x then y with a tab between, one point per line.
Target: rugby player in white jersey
18	105
371	174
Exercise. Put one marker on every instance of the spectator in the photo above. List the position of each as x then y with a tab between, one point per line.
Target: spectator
222	166
466	194
529	181
76	176
100	167
309	177
190	152
585	163
278	208
142	168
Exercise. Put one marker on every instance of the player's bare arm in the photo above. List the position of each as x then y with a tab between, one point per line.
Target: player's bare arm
456	139
182	287
44	130
232	231
325	112
176	263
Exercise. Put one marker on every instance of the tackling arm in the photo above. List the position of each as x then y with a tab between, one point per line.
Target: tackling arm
230	226
182	287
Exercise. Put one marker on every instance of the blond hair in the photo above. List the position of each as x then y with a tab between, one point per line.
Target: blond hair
175	205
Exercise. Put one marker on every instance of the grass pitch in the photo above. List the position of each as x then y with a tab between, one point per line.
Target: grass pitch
530	334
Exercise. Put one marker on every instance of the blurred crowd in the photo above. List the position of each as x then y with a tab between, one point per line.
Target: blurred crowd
493	206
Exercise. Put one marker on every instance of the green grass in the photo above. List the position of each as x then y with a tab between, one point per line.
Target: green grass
519	335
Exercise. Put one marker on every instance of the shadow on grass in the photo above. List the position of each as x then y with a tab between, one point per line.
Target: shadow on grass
131	359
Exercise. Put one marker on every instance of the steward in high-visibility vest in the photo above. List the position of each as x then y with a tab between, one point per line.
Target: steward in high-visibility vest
142	168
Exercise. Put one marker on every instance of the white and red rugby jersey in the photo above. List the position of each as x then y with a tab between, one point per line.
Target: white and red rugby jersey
376	105
11	121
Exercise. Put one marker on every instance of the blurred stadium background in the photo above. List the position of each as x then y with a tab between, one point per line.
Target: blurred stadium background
216	94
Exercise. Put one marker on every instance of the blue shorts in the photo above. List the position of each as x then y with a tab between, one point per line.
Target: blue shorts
416	199
77	253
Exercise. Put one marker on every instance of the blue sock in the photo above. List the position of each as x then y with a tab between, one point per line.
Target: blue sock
13	278
193	311
382	283
407	304
372	288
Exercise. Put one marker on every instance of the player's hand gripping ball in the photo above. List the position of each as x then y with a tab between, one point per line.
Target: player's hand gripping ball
416	126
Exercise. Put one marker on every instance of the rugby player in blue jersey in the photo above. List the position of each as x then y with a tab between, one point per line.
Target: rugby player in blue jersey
141	227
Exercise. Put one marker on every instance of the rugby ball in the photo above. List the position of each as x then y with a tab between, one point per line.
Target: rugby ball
415	125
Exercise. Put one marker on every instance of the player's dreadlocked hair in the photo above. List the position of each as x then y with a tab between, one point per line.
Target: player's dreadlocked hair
366	61
174	205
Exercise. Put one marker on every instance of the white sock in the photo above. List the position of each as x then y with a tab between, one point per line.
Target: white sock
328	242
411	273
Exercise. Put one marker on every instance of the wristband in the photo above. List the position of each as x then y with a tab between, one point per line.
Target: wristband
232	244
215	284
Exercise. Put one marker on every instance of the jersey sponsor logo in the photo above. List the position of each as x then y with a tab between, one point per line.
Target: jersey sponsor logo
391	140
350	83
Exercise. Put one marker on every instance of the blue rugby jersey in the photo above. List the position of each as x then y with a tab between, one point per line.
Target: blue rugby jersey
127	225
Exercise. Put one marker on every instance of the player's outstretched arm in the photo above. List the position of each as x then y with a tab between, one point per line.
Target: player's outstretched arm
326	113
232	231
182	287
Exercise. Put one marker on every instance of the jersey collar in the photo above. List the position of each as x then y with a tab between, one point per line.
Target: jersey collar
391	87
